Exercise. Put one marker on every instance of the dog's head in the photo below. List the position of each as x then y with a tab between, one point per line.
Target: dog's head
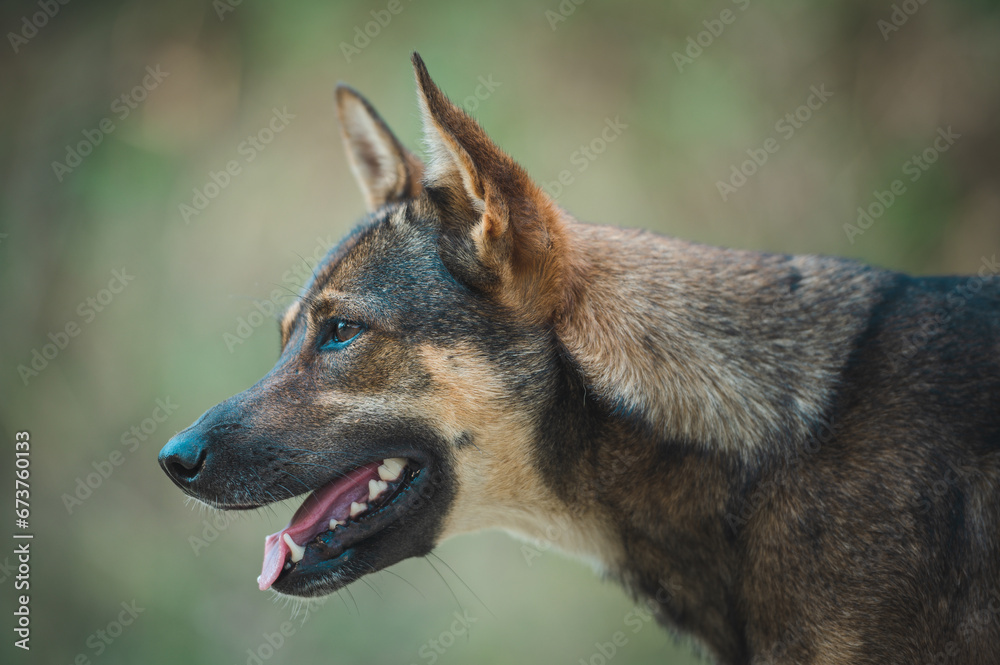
417	369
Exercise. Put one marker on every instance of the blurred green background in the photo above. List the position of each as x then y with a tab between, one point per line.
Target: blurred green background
557	73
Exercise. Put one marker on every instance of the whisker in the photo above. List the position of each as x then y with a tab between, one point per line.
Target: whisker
372	586
459	577
296	479
351	596
450	590
410	584
341	596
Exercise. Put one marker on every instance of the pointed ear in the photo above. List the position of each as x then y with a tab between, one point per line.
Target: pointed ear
385	170
500	232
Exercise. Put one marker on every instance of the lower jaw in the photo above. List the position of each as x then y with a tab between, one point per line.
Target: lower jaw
317	579
331	552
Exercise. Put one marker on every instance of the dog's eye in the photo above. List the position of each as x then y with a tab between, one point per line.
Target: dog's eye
343	332
346	331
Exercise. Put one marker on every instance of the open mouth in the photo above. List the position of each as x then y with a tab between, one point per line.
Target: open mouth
337	517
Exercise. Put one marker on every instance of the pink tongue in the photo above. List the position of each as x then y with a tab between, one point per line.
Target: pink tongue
313	517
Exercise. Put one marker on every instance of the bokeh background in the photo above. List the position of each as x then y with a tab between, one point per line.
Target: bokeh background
556	73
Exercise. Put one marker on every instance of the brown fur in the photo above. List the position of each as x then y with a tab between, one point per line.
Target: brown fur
752	444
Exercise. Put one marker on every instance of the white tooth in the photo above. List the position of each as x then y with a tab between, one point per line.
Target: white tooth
297	550
376	487
358	508
334	523
391	468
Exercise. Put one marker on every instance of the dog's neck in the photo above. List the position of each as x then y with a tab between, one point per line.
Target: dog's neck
719	348
705	363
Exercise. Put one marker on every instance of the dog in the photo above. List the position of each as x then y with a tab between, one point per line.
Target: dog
793	459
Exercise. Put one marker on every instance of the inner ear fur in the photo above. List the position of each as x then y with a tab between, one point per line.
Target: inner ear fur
501	231
385	170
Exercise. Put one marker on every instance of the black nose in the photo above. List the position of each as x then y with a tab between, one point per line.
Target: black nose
183	457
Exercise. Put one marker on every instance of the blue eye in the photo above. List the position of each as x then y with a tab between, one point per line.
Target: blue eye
343	333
